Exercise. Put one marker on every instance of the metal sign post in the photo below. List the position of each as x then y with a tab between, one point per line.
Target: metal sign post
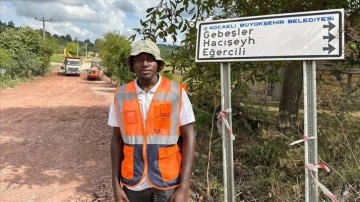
314	35
310	130
227	142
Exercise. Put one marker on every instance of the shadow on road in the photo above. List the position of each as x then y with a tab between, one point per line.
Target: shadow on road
47	147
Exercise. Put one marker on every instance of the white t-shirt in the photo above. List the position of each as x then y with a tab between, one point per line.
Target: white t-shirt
186	116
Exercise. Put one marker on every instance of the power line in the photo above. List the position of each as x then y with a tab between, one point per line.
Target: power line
43	20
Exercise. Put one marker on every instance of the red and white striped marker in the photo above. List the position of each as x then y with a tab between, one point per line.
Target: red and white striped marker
325	190
227	125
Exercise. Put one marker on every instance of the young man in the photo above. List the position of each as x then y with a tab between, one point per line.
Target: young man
148	116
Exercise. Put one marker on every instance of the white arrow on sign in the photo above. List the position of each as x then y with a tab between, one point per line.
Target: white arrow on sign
316	35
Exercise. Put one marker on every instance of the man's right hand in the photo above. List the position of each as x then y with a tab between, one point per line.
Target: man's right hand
116	158
119	195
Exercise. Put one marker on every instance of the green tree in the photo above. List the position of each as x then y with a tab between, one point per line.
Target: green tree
24	38
173	17
24	45
170	18
28	63
72	48
68	38
48	48
114	50
2	26
98	44
63	38
56	36
6	62
11	24
27	50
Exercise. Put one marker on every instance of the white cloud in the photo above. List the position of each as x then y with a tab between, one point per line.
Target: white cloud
126	6
85	19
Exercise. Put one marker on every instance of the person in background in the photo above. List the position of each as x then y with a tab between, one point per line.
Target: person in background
149	116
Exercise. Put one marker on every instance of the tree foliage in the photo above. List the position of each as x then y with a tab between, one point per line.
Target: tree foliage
25	52
72	48
68	38
172	18
114	50
264	171
23	41
48	48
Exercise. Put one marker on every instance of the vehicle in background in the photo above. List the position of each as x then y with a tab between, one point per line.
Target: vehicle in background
95	71
72	65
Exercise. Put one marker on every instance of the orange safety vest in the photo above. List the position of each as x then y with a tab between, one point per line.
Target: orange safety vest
150	146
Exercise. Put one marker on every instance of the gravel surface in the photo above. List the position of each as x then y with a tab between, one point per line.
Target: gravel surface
54	140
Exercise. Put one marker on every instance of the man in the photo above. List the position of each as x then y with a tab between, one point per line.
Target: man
148	115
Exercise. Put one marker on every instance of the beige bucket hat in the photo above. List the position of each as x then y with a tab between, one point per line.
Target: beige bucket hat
145	46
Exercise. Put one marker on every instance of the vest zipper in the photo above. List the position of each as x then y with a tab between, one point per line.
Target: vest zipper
144	146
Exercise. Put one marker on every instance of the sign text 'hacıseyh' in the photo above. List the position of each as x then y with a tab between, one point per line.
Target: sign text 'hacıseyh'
290	36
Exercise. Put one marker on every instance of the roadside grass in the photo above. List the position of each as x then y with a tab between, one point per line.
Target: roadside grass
6	82
10	82
57	58
267	168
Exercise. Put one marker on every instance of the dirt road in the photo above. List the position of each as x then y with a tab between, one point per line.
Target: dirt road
54	140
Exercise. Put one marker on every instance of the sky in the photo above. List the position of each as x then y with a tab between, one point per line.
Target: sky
82	19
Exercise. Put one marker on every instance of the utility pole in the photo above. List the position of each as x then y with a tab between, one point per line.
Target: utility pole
77	47
43	20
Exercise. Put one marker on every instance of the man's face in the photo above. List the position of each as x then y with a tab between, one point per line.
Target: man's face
145	66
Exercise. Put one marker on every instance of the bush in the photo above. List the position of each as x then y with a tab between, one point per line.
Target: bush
23	53
7	82
266	168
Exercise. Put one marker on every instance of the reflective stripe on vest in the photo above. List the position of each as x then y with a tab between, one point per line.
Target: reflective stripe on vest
151	144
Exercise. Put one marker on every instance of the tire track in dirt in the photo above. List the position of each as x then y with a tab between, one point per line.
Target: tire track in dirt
54	140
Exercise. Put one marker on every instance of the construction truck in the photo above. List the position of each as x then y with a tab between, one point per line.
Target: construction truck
95	71
72	64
